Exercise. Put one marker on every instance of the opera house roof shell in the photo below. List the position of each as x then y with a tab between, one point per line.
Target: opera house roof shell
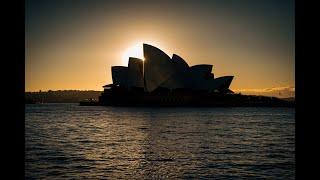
158	70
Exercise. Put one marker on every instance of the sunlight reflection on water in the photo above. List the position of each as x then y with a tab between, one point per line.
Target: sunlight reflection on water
69	141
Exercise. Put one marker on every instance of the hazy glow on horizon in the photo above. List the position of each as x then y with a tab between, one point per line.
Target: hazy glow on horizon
72	45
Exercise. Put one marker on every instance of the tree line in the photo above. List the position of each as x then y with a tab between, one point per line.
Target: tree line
60	96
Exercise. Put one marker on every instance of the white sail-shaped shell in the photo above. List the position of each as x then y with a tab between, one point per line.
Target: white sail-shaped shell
179	78
158	67
222	83
135	72
180	63
199	76
120	75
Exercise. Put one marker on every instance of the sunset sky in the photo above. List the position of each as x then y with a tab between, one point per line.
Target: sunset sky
73	44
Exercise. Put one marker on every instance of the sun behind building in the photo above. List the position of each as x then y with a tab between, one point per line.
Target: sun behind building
158	70
161	78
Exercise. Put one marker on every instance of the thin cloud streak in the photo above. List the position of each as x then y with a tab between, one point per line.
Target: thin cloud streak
282	92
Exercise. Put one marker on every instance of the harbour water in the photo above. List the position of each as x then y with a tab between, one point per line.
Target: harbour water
67	141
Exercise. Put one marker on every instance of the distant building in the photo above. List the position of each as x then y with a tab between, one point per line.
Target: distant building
158	70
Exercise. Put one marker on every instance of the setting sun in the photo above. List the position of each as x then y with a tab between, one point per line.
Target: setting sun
135	50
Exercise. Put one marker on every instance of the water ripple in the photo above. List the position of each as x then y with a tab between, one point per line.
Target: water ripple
67	141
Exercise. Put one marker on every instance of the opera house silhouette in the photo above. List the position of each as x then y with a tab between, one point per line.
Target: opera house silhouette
163	81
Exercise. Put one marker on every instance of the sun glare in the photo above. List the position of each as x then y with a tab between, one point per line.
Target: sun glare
134	51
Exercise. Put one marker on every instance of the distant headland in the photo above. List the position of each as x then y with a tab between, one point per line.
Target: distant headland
61	96
76	96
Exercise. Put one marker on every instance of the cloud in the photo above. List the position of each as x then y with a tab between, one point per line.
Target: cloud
282	92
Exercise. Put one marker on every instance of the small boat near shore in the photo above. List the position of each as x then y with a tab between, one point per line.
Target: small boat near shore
89	102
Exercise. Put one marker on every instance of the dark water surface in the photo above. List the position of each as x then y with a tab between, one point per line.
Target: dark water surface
67	141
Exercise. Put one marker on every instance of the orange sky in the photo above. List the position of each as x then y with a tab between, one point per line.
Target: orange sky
73	46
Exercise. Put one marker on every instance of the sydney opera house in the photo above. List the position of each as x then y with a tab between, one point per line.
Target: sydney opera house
161	79
160	71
